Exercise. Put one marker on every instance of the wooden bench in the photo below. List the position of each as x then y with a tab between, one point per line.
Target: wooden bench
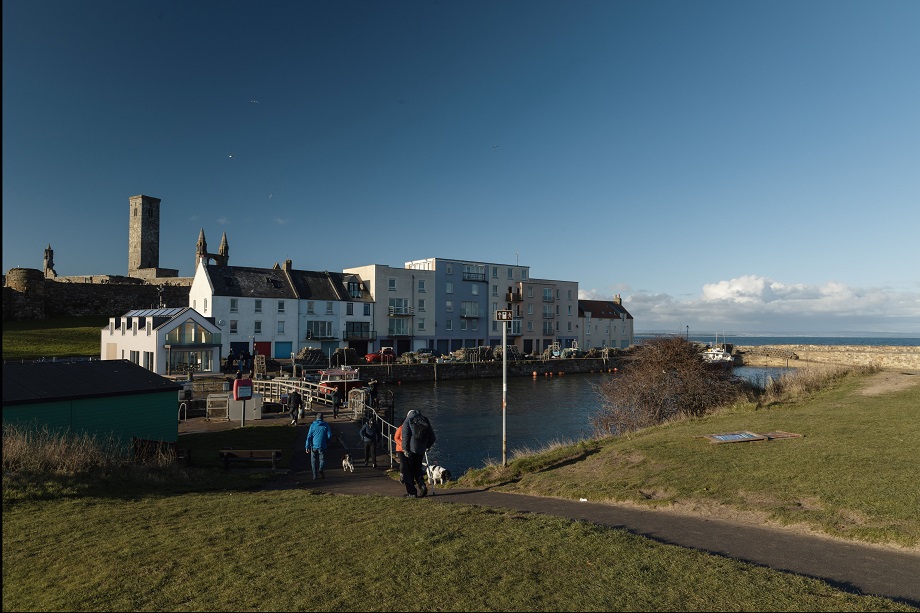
250	455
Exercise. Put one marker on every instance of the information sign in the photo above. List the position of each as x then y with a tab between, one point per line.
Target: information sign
504	315
242	389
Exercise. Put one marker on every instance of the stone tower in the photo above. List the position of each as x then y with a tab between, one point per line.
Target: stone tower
143	235
49	263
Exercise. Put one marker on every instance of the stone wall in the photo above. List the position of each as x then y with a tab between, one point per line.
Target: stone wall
887	357
477	370
28	295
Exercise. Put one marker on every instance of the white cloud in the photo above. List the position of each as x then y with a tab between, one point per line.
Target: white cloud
759	304
223	221
280	221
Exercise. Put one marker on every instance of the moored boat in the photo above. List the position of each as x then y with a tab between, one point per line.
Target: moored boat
344	379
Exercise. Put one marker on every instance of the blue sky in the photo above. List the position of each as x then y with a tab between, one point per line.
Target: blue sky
729	166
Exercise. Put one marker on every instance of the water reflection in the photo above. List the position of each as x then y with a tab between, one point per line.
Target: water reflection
467	415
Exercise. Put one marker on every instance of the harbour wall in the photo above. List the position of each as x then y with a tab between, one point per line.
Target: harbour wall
886	357
478	370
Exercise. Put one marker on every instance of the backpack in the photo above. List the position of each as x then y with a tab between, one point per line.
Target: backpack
421	432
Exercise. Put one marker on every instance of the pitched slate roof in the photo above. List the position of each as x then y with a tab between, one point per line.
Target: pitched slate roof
250	282
34	382
607	309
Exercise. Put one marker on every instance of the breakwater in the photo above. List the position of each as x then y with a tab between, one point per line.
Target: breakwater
886	357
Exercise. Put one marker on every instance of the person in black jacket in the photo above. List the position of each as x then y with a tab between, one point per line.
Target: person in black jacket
417	438
370	436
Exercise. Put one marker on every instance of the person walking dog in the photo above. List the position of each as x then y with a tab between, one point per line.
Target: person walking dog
318	437
417	438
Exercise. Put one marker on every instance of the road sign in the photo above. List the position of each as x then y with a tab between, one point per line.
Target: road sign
503	316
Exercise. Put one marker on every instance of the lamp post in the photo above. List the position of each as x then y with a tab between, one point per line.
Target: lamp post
688	333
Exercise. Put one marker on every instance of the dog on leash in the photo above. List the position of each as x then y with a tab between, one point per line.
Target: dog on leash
437	474
346	464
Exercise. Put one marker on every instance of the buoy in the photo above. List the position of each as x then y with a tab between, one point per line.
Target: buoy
534	373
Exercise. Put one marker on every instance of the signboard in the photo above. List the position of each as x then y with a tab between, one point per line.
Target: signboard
242	389
735	437
503	315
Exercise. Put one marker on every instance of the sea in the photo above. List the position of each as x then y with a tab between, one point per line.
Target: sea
754	340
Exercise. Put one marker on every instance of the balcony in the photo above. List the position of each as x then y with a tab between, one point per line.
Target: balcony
514	297
470	314
400	311
474	276
359	335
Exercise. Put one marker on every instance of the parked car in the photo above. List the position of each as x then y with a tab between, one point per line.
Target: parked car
386	355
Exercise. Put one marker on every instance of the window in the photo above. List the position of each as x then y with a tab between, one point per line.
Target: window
391	284
421	286
570	309
547	294
195	304
281	306
281	326
548	328
449	324
367	309
474	324
530	326
234	305
469	309
205	306
310	310
354	289
135	357
357	329
319	329
258	306
398	327
510	273
350	308
475	289
399	306
530	292
570	326
495	272
233	326
148	360
328	308
530	309
523	274
149	327
449	287
421	323
257	329
421	305
495	290
570	294
463	324
449	270
449	306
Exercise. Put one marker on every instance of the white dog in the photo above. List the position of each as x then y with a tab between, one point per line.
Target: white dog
437	474
346	463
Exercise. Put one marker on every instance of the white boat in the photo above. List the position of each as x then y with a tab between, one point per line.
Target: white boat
720	355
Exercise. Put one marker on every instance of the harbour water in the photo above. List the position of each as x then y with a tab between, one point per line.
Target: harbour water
754	340
467	414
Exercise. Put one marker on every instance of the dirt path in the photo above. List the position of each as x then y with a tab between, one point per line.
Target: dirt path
886	382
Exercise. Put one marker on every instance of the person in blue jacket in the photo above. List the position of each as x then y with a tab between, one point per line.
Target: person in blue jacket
317	437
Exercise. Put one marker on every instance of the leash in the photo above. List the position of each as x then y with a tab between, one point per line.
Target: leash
427	468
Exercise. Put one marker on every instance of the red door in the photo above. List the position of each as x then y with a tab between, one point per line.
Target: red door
264	348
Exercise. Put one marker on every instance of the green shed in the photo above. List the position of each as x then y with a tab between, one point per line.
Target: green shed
109	397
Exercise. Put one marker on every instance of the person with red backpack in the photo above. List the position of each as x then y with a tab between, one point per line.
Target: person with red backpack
417	438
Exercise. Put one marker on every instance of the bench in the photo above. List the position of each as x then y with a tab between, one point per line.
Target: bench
250	455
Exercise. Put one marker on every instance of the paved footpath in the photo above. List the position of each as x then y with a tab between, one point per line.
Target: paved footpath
860	568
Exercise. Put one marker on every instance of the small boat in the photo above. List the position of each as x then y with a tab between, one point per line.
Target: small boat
344	379
719	354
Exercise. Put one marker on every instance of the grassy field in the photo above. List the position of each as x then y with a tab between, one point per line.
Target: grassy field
62	337
853	474
115	536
